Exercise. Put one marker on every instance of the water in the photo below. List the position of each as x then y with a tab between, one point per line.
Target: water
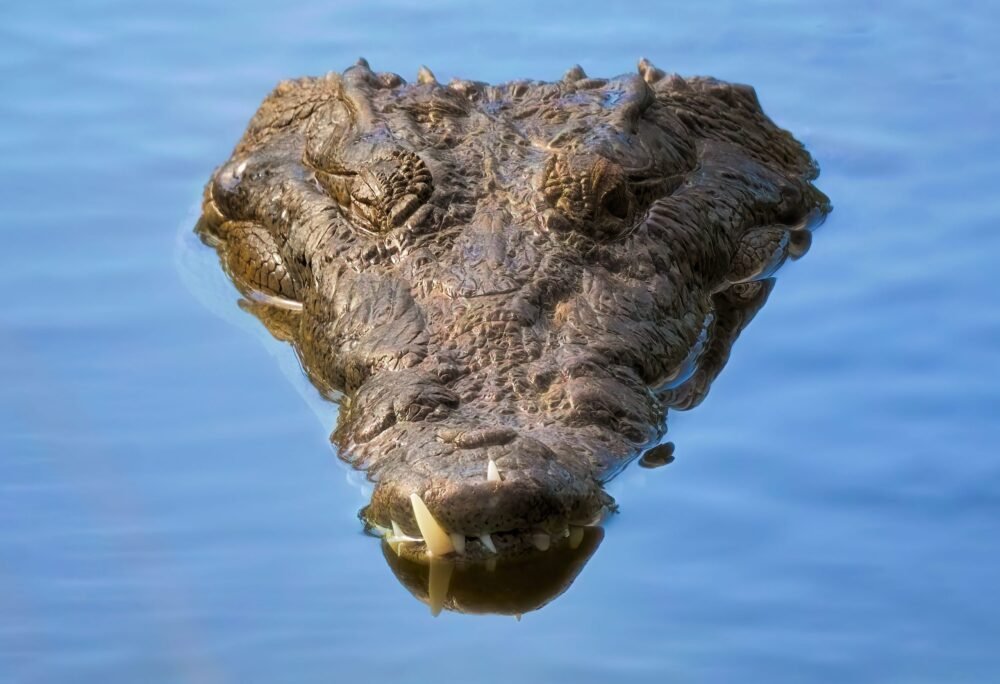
171	510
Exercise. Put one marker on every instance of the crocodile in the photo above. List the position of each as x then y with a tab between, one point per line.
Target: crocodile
507	286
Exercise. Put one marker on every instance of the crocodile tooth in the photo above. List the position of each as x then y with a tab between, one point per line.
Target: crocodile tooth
541	541
276	301
397	536
458	541
492	472
438	579
487	541
438	541
575	536
425	76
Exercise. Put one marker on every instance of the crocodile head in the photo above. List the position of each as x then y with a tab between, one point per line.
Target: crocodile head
509	284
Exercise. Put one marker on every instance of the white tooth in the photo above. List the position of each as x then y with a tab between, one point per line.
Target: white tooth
487	541
541	541
492	472
575	536
438	541
458	541
565	532
597	517
397	536
438	579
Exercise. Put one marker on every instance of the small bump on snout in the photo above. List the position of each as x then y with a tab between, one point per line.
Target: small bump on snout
482	437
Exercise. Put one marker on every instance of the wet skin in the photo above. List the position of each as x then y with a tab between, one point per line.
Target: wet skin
510	285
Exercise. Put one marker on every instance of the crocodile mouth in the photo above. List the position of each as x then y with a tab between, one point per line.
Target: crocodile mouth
433	542
481	495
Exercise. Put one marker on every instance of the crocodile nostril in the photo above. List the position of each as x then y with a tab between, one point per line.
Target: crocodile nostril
480	437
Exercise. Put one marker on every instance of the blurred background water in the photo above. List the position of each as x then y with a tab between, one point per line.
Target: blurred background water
170	507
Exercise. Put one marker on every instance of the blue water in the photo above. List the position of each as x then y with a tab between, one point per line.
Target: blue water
171	509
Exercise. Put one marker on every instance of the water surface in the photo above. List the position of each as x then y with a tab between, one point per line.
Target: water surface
171	509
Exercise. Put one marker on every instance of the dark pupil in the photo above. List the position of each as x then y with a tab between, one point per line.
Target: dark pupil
616	203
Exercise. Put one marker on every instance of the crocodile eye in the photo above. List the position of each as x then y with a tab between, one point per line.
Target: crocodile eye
388	191
382	194
616	203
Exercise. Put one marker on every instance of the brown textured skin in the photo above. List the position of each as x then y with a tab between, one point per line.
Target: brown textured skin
529	272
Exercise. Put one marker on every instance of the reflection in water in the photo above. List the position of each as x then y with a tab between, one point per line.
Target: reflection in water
513	587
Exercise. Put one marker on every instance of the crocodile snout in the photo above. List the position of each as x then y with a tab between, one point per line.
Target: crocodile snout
484	492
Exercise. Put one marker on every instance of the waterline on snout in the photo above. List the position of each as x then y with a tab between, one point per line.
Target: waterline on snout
197	265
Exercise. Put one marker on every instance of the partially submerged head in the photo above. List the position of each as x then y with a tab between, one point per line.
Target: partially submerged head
511	284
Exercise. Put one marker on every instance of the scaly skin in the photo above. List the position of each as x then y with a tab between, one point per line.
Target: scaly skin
529	273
